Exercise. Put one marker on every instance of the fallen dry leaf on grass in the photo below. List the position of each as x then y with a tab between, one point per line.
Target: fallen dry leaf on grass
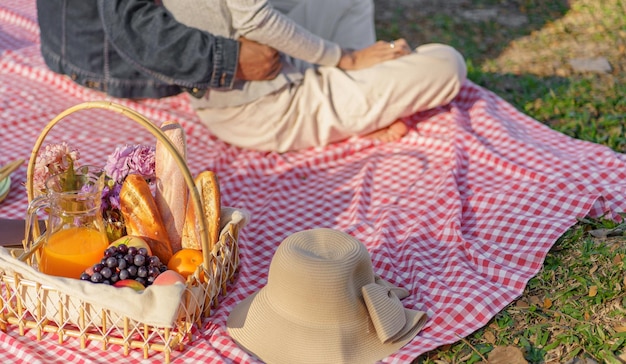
506	355
547	303
522	304
490	337
605	233
535	300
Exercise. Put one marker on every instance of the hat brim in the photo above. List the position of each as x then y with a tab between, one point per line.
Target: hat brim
262	331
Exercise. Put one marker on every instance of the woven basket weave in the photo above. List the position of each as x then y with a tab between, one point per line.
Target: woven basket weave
27	304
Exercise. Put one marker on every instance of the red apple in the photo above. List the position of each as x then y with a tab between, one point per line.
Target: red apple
132	240
168	277
130	283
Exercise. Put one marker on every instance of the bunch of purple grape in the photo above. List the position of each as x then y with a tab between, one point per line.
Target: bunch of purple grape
123	262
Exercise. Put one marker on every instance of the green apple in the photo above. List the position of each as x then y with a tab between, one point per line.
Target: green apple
132	240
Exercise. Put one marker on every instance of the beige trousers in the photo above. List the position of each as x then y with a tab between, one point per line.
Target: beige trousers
330	104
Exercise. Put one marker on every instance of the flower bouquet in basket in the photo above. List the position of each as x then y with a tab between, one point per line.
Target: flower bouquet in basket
135	252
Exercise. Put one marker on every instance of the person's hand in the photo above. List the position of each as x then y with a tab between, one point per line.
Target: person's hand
376	53
257	61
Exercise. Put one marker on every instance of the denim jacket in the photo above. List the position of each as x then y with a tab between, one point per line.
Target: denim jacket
132	49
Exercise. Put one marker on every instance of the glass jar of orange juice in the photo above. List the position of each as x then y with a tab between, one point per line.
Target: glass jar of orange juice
75	236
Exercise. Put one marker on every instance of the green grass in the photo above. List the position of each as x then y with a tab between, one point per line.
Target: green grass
559	317
584	108
575	307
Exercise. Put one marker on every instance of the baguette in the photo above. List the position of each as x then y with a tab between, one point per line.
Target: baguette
171	192
141	216
209	190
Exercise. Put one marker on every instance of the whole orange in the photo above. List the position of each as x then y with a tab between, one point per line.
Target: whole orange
185	261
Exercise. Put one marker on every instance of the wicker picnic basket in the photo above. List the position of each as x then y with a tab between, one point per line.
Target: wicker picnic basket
29	304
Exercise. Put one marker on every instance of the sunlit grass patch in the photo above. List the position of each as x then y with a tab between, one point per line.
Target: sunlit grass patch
574	308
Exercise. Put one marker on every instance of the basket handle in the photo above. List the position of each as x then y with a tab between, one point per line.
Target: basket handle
154	130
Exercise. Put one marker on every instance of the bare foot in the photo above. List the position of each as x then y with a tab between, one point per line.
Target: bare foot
393	132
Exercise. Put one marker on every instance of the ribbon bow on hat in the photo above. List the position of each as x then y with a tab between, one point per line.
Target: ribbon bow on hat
391	320
323	304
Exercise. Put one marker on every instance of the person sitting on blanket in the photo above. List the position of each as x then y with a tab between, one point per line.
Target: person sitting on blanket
336	81
135	49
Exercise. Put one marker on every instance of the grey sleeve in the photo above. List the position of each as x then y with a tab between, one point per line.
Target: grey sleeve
259	21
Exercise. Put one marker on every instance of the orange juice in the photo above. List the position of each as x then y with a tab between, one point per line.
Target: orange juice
67	253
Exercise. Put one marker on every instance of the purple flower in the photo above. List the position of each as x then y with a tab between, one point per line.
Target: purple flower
110	207
130	159
111	196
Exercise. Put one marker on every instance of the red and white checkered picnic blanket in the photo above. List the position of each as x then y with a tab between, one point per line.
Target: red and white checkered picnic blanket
461	211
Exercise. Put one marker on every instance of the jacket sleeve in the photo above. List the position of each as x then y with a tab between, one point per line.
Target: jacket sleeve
148	37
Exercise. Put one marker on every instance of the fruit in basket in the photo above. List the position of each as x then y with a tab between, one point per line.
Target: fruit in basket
168	277
124	262
185	261
131	240
130	283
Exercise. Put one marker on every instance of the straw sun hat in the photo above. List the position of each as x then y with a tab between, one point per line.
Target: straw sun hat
323	304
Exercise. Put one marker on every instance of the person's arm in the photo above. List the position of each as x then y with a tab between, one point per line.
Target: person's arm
147	36
259	21
376	53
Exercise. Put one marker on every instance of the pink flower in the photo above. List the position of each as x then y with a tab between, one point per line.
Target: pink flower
54	159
